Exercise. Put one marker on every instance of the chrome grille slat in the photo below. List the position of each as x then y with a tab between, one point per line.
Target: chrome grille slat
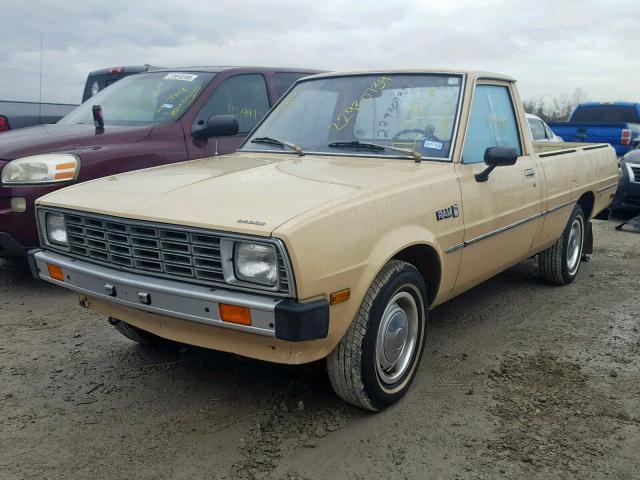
79	250
176	247
146	253
76	239
117	238
98	254
154	249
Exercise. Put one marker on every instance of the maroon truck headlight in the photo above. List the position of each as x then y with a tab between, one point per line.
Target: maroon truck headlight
45	168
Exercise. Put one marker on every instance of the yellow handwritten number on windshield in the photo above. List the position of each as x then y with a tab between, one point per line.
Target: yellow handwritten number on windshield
344	119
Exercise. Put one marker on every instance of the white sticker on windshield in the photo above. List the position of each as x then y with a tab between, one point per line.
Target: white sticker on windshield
433	145
187	77
453	81
168	106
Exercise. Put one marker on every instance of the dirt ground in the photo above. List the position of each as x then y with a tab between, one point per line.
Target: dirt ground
519	379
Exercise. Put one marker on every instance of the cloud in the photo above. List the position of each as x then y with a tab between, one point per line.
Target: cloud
551	47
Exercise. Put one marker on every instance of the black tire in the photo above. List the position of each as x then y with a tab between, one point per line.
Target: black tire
354	367
553	263
136	334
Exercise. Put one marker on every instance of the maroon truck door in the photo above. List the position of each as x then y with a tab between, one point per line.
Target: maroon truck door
243	95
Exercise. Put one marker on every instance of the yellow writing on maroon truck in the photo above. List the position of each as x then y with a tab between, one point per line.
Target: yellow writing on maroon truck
242	112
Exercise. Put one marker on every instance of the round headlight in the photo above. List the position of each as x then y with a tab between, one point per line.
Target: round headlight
46	168
256	263
56	229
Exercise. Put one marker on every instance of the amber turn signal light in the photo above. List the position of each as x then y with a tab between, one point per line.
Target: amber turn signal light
55	272
64	176
340	296
235	314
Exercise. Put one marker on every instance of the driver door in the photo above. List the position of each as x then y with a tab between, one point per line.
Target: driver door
502	216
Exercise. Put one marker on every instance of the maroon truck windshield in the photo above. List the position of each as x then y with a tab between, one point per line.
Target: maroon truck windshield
145	98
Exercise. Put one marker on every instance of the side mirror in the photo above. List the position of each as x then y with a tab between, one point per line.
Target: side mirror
496	157
217	126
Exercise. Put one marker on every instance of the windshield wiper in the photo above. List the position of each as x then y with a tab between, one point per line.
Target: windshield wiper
377	147
281	143
357	145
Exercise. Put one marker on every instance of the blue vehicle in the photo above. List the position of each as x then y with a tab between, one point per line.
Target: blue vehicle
617	123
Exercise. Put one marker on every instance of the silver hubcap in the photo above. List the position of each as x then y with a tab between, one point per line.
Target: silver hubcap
574	245
397	337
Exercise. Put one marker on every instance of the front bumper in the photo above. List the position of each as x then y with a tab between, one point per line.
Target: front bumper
270	316
10	247
18	231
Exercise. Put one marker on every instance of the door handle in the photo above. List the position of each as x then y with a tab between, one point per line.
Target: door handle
529	172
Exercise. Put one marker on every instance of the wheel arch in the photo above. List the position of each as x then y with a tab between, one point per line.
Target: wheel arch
587	201
426	259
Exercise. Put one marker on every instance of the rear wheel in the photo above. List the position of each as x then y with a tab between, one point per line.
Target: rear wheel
136	334
376	361
560	263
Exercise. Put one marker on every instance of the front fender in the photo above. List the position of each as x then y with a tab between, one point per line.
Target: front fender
358	275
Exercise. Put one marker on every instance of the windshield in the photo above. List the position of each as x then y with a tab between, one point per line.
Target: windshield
341	115
143	99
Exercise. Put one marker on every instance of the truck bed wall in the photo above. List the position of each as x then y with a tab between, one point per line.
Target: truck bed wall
544	147
26	114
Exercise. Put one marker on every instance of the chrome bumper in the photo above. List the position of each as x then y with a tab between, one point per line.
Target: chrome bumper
270	316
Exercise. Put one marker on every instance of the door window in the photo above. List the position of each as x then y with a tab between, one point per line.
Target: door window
284	80
537	129
244	96
549	133
492	123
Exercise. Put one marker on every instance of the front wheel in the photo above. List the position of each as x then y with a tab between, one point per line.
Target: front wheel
560	263
376	361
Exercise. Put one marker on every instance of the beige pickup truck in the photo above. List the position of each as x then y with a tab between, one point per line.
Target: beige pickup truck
361	201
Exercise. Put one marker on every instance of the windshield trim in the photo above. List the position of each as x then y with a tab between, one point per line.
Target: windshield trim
346	154
456	125
205	85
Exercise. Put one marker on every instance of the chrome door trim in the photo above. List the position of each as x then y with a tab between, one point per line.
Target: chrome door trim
506	228
558	207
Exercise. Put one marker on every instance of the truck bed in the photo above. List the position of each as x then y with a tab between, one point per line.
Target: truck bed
26	114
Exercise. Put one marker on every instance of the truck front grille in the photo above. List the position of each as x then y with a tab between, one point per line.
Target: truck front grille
636	174
153	249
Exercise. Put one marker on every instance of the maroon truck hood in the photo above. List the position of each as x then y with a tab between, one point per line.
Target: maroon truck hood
64	138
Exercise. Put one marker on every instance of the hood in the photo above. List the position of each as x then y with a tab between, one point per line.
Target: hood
65	138
243	192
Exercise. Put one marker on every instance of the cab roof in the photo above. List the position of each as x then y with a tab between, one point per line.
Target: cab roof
471	74
221	68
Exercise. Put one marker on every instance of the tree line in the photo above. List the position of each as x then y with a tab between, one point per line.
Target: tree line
558	108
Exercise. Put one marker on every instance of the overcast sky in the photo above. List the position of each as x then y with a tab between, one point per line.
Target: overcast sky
550	47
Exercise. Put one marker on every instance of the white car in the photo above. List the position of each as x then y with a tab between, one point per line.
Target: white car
540	131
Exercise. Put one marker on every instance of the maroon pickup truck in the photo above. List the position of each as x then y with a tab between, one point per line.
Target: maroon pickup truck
150	119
